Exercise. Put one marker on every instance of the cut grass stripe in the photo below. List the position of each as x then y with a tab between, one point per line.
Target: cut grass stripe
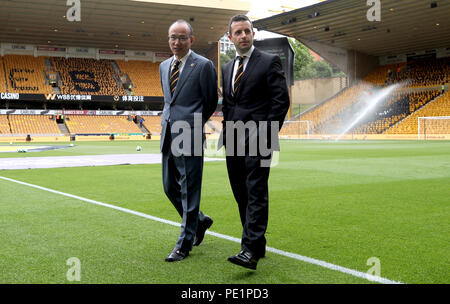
305	259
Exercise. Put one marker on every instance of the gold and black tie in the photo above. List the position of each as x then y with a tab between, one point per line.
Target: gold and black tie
239	72
174	75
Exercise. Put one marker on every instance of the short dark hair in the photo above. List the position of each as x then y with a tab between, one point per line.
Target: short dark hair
238	18
191	30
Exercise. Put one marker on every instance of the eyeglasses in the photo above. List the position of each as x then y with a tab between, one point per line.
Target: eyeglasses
175	38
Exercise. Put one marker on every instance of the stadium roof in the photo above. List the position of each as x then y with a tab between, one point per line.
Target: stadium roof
120	24
405	25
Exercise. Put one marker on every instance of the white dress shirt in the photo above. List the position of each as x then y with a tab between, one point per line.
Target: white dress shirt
182	64
236	64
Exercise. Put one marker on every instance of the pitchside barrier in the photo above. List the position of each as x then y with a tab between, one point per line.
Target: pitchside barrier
367	137
67	138
211	149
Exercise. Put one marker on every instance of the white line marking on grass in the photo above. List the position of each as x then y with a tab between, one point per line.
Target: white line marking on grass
302	258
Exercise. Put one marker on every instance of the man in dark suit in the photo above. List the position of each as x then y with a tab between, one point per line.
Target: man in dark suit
255	93
189	83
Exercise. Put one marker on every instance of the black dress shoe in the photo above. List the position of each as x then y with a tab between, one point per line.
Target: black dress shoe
245	259
201	229
177	255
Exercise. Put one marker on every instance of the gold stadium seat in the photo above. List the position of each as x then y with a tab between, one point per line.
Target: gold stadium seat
327	110
2	77
33	124
152	123
101	124
25	74
95	76
144	76
4	125
439	107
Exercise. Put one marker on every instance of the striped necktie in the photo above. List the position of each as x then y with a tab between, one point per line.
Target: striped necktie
174	75
239	72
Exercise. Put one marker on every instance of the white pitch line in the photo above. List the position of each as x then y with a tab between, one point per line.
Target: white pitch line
302	258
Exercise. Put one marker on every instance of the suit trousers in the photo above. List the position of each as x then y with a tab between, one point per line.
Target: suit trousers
182	181
249	183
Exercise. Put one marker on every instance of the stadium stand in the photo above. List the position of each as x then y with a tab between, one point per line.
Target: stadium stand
33	124
2	77
417	100
104	124
25	74
152	123
144	76
439	107
420	81
382	74
399	106
425	72
326	111
87	76
4	125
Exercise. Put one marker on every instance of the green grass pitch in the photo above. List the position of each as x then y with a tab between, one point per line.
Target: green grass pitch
338	202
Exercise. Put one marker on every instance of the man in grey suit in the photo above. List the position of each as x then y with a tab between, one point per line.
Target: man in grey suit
189	83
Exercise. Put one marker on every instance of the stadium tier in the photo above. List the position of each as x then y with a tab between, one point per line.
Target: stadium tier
326	111
382	73
144	76
414	85
88	124
2	77
80	75
152	123
5	128
101	124
31	75
25	74
33	124
424	72
420	83
439	107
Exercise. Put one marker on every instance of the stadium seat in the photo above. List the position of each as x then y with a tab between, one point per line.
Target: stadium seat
4	125
87	76
144	76
33	124
439	107
102	124
25	74
152	123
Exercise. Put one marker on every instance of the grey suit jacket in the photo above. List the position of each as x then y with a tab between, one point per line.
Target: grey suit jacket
195	95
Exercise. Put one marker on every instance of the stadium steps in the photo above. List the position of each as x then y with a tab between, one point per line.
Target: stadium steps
63	128
6	76
116	67
116	75
48	64
142	128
